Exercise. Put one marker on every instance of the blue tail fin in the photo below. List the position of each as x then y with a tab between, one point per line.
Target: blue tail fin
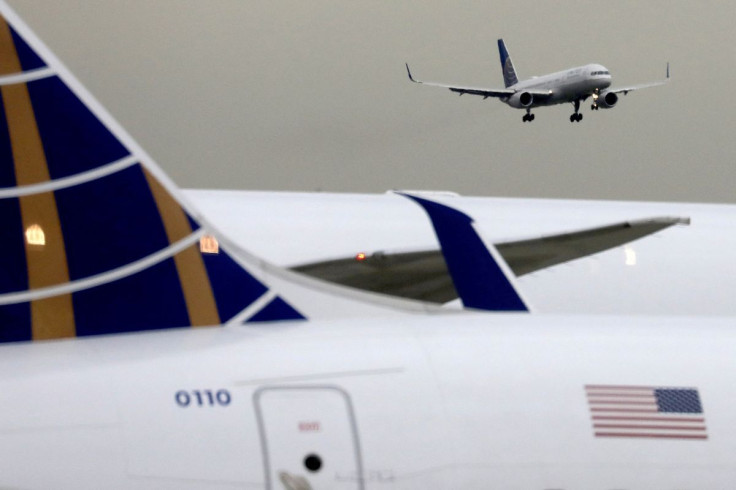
507	66
95	238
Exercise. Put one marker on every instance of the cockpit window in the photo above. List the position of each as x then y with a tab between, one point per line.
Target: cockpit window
601	72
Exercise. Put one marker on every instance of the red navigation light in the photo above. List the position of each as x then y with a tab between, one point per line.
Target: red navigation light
360	257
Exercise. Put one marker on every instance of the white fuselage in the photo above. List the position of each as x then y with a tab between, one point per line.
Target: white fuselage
567	85
470	401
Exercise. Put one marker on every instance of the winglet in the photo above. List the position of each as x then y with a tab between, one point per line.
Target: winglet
408	71
481	277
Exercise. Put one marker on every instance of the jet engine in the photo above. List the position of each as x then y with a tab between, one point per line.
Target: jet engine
606	100
521	100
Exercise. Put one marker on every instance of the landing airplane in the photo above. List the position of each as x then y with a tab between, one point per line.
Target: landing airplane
104	382
573	85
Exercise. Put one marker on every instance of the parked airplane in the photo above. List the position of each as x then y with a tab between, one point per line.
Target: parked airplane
573	85
99	248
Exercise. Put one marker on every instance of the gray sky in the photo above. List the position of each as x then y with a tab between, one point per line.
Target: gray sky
295	95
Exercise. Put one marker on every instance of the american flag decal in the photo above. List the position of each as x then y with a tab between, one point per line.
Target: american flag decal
645	411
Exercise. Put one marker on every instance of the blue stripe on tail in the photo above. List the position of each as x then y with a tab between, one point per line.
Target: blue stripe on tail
507	66
29	60
73	138
109	222
276	310
13	268
151	299
7	172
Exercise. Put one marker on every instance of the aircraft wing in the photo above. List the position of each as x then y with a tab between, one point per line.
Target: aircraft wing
486	93
631	88
483	92
423	275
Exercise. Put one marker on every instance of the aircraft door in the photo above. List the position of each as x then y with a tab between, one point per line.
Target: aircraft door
309	438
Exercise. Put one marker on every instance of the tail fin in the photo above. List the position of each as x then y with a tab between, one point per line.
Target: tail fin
507	66
96	239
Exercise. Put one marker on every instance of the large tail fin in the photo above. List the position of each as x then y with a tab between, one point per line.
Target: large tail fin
96	239
507	66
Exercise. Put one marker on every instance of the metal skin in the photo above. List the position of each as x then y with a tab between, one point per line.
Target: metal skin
356	394
564	86
478	401
574	85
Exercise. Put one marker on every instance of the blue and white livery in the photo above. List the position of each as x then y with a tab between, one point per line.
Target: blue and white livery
574	85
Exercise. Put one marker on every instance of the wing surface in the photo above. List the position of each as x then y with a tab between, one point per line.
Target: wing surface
483	92
631	88
423	274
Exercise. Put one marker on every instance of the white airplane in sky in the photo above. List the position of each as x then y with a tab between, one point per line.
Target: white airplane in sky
573	85
298	384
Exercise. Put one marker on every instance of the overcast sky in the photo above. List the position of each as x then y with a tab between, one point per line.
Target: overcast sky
313	95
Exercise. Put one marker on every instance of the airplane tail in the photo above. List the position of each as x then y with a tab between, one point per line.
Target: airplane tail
507	66
96	238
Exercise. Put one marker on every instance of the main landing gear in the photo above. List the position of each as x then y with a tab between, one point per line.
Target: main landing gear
577	117
528	116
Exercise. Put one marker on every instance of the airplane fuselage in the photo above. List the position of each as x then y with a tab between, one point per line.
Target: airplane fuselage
566	86
455	401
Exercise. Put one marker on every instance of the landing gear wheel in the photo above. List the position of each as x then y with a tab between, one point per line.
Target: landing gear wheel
528	117
576	117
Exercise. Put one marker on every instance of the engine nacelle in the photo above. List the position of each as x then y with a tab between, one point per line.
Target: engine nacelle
521	100
607	100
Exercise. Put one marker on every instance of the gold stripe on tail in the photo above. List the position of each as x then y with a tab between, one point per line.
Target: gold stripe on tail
195	283
44	243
